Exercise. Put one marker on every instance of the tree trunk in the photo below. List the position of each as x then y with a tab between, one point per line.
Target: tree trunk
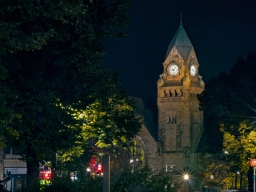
241	181
53	168
250	179
32	169
236	181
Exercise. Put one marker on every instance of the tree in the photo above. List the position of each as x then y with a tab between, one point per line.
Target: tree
214	102
232	163
133	178
51	53
6	113
229	104
229	99
215	169
111	118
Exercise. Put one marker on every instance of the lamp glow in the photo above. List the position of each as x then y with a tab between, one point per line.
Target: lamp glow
186	177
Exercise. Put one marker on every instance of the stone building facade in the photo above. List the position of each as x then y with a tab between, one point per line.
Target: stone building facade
180	122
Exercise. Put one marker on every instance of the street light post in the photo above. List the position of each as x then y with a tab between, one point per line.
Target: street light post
237	173
254	177
253	164
186	178
106	173
206	187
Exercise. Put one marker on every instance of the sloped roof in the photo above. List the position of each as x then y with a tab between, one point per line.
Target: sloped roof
181	42
145	109
200	147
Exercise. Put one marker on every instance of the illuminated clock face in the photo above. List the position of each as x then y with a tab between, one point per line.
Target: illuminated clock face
192	70
174	69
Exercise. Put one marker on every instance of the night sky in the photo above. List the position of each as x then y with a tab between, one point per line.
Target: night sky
221	31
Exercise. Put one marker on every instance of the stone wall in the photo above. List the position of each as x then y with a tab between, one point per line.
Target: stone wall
148	144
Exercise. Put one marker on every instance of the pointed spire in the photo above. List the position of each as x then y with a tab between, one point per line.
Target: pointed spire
180	18
181	42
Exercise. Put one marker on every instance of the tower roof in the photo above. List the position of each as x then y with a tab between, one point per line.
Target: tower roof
181	42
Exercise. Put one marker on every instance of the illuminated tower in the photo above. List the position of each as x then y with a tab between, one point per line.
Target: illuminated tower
179	120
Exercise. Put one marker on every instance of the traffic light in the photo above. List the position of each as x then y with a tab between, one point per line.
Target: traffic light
46	175
99	168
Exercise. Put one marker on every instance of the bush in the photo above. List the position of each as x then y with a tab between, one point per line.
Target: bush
133	179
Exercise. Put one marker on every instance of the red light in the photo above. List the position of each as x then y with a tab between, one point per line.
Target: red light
46	175
99	168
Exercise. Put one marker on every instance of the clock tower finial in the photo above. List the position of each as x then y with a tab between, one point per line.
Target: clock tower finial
180	18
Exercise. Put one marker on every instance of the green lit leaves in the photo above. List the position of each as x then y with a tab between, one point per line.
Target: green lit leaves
51	76
111	122
240	148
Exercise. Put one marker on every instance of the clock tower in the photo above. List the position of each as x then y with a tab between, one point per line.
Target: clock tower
179	120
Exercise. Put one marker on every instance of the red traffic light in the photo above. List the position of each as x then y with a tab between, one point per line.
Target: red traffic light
46	175
99	168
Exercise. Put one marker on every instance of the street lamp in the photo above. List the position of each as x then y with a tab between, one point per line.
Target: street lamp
131	160
237	173
186	178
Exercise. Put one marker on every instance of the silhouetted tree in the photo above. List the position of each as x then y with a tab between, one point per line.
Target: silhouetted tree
51	54
229	104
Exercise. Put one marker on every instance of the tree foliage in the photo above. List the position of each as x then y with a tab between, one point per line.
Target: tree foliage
240	150
133	178
228	100
229	104
111	117
51	53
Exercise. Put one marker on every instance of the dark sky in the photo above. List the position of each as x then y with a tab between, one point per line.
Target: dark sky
221	31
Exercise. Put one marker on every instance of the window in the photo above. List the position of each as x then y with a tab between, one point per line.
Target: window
10	150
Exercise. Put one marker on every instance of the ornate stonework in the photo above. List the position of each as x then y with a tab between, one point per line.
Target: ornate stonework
179	119
180	122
